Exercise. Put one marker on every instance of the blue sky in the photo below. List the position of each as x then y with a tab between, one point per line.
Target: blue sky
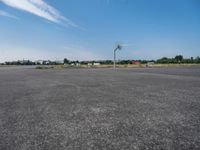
90	29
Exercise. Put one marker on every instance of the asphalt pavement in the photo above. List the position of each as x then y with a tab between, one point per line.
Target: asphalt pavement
63	109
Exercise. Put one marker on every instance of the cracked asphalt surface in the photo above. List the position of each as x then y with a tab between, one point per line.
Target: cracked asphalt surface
59	109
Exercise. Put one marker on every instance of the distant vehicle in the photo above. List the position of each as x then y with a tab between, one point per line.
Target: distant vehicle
150	64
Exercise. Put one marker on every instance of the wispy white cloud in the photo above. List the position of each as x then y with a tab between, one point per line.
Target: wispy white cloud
6	14
41	9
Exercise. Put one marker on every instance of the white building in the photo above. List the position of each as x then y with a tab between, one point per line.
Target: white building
96	64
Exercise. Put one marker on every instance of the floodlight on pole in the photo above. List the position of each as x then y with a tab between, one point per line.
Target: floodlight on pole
119	47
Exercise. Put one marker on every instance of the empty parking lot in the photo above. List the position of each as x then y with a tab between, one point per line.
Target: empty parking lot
141	108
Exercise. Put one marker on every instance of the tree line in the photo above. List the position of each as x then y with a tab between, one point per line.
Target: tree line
179	59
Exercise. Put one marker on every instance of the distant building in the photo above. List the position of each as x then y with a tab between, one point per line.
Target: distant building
135	62
96	64
39	62
23	61
89	64
75	64
46	62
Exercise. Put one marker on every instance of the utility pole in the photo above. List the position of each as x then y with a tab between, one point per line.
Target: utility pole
119	47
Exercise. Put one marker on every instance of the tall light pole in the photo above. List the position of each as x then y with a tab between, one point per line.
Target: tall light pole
119	47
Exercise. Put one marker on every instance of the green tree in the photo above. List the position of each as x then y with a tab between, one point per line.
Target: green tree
179	58
163	60
197	59
66	61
